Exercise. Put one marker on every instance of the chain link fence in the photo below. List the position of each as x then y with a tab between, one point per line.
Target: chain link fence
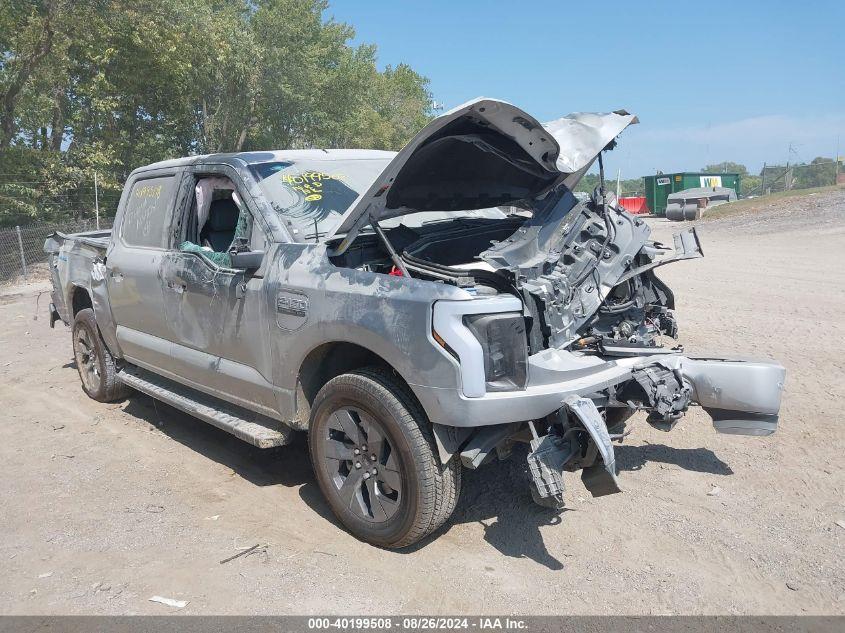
776	178
22	256
33	205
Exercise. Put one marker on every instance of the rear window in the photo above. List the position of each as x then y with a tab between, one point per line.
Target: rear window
146	212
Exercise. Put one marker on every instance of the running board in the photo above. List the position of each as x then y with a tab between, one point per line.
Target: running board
257	429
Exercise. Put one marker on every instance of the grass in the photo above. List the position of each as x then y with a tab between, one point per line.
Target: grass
754	205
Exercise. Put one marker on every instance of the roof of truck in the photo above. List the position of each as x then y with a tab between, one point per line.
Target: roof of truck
249	158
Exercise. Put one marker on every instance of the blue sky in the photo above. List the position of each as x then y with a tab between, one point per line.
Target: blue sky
710	81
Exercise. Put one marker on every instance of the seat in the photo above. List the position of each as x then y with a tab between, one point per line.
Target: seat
219	230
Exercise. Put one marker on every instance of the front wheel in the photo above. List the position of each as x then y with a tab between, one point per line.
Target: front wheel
374	457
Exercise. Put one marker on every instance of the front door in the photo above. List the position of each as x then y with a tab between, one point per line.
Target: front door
217	314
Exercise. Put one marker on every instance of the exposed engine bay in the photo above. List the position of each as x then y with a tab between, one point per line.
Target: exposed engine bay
586	279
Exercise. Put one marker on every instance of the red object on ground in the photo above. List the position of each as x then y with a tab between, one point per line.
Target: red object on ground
634	204
395	272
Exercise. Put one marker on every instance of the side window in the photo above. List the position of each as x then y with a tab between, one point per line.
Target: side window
145	216
217	220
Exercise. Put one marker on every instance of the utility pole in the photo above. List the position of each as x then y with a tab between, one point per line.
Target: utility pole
96	201
836	163
763	182
23	257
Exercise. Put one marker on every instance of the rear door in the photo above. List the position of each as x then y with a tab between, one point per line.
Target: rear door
133	264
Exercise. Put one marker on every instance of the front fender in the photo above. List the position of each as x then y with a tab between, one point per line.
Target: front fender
390	316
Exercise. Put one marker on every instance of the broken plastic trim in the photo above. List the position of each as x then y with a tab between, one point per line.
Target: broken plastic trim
687	246
599	479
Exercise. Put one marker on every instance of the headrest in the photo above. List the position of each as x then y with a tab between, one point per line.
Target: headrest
223	215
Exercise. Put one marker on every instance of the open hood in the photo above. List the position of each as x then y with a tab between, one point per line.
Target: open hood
482	154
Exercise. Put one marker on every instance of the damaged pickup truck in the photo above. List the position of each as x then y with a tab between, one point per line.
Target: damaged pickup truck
415	312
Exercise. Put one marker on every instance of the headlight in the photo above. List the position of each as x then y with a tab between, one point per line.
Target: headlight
502	337
491	353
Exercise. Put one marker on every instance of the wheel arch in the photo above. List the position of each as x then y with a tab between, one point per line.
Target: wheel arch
80	298
97	299
329	360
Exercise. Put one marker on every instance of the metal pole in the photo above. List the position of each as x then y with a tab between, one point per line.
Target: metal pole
763	181
23	259
96	201
836	164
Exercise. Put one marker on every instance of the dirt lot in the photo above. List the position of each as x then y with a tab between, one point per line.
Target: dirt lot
105	506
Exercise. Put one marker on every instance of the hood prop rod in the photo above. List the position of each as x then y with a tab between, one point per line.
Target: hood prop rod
601	178
396	259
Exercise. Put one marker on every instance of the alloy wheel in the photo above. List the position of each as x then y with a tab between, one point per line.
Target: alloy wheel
362	464
86	359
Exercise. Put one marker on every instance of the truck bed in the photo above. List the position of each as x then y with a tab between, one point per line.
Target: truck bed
72	263
95	239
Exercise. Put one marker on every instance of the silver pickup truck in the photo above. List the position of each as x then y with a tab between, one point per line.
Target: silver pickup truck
415	312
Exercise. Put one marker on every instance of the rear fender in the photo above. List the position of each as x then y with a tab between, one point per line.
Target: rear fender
102	308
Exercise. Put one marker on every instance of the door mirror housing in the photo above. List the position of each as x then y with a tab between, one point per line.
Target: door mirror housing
247	260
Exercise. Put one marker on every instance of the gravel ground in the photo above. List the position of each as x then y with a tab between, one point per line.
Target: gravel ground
105	506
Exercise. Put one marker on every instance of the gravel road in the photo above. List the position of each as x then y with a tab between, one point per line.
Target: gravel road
105	506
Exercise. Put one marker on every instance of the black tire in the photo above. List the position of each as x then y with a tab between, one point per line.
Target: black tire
95	363
384	413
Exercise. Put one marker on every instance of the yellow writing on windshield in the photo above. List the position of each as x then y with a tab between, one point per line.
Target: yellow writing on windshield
309	183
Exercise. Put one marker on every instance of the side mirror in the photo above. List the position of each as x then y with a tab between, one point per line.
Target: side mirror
247	260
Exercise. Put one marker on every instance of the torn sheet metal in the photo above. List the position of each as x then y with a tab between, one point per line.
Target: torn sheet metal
687	246
582	135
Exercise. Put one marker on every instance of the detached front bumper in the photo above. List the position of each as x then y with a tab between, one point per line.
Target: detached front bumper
743	397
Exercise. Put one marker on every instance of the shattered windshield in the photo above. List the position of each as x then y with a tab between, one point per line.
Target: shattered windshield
311	196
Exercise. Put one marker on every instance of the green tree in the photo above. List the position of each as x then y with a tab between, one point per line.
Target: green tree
628	187
108	85
726	167
821	172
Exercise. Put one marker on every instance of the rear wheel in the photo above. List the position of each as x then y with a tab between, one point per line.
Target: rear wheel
375	460
95	363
